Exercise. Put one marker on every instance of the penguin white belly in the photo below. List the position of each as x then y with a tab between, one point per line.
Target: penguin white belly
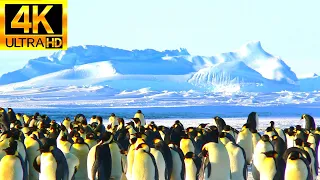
312	164
255	140
245	141
116	170
32	147
219	161
64	146
90	142
141	117
177	166
90	161
10	168
73	162
290	141
48	167
130	160
312	140
258	157
81	152
144	168
268	171
296	169
191	170
237	162
160	163
162	135
22	150
186	146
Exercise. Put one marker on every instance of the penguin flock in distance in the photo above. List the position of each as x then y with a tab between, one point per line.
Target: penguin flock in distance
38	148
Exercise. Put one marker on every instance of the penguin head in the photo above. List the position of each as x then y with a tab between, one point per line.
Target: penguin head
272	124
189	155
136	120
64	137
202	125
90	136
299	142
298	128
107	137
143	146
63	128
294	155
139	111
271	154
48	145
79	140
265	138
227	128
112	114
12	149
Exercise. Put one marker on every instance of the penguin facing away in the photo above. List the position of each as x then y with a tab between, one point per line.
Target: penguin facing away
245	141
238	165
178	170
193	165
253	121
309	122
80	149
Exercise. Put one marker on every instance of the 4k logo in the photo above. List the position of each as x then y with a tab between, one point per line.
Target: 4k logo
34	25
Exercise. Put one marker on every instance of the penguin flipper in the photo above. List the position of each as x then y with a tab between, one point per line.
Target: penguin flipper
37	163
62	165
103	162
24	167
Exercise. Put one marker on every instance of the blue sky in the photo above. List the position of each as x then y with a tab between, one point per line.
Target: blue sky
287	28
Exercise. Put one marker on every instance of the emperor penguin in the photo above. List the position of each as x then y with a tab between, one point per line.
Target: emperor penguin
51	164
99	163
145	168
255	138
67	123
178	170
80	149
232	131
113	120
4	120
63	144
253	121
160	162
309	122
280	147
19	117
161	146
297	166
216	162
90	140
270	132
269	169
314	160
186	144
12	165
220	123
263	145
238	165
140	115
32	144
245	141
279	131
290	136
73	164
116	170
193	165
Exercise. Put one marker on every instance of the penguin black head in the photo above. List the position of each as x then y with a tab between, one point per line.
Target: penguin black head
189	155
291	128
63	128
113	114
67	119
99	119
90	136
254	131
294	155
307	144
48	144
246	125
79	140
143	146
84	122
299	142
64	137
139	111
271	154
107	137
298	128
265	138
227	128
269	129
203	125
272	124
222	135
11	150
136	120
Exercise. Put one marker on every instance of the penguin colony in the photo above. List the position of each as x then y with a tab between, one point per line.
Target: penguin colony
36	147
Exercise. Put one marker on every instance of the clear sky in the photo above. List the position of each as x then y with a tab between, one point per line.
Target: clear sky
287	28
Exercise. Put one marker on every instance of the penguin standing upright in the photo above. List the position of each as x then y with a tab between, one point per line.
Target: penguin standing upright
178	170
186	144
73	164
253	121
100	160
32	144
280	147
63	144
193	165
51	164
269	169
309	122
255	138
160	162
297	166
220	123
145	168
90	140
238	165
4	120
290	136
161	146
245	141
140	115
80	149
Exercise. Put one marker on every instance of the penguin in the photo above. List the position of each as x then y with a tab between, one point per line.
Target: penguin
245	141
253	121
178	170
297	166
79	117
314	161
255	138
67	123
161	146
290	136
4	120
131	156
163	131
32	144
230	130
12	165
280	147
93	119
99	159
160	162
140	115
300	134
51	164
216	162
193	165
80	149
145	168
238	164
113	120
73	164
278	131
90	140
225	138
187	145
269	169
309	122
263	145
116	170
220	123
63	144
270	132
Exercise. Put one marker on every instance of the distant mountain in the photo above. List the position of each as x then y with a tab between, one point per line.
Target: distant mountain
250	68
